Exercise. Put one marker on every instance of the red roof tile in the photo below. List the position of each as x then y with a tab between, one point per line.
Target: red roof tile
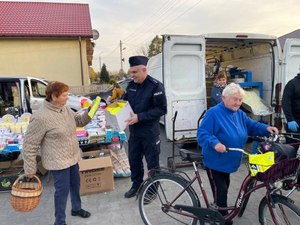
44	19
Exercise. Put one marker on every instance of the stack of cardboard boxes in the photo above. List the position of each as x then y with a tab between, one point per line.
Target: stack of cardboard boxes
96	172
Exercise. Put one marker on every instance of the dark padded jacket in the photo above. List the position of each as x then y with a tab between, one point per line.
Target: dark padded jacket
148	101
291	99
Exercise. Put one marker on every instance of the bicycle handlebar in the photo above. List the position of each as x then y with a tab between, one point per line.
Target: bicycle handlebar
273	138
238	150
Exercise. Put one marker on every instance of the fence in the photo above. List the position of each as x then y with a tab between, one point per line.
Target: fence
90	89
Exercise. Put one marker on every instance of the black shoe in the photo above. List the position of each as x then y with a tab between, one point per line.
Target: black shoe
229	222
131	193
82	213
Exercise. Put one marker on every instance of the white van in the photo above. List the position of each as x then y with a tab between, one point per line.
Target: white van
185	69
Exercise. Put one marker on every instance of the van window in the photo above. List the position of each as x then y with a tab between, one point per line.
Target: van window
38	89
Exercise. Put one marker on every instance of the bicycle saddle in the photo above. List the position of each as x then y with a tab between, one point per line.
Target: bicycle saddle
189	155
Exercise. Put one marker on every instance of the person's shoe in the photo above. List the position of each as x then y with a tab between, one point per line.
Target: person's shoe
82	213
131	193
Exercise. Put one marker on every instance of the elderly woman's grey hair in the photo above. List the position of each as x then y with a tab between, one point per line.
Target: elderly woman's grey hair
232	89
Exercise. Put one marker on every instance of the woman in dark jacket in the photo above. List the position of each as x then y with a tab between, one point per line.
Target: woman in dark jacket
219	85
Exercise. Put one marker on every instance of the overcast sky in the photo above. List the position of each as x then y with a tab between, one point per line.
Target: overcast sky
136	22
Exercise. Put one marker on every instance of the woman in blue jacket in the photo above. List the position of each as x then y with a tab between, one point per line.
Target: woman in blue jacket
226	126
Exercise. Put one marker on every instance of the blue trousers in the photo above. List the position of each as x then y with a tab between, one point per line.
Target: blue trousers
65	181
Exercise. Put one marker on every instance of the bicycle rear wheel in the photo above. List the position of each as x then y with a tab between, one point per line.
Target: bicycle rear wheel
285	211
158	197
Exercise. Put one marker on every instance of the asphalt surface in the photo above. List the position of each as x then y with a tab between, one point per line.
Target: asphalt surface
111	208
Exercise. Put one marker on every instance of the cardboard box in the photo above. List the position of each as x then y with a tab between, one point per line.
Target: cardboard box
8	177
117	122
17	101
96	172
18	163
15	91
5	164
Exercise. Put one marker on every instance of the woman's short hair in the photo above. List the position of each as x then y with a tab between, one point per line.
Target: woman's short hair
232	89
55	88
221	74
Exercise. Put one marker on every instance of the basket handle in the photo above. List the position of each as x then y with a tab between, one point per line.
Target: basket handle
34	176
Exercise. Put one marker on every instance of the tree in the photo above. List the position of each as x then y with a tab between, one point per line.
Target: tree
93	74
104	76
143	50
155	47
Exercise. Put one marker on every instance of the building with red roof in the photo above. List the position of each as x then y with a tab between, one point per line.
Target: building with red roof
45	39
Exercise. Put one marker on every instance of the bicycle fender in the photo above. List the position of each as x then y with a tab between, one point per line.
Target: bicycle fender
274	196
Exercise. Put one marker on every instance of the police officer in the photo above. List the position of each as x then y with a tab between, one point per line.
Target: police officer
147	98
291	107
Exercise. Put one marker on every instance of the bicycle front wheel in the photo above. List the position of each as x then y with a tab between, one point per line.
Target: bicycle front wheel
285	211
158	198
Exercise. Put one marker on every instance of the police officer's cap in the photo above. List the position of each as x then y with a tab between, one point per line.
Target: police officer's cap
138	60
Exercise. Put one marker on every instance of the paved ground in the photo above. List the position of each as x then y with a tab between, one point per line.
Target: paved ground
112	208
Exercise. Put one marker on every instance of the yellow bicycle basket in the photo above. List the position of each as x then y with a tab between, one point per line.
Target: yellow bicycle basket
260	162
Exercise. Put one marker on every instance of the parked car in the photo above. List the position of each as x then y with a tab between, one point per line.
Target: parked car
26	94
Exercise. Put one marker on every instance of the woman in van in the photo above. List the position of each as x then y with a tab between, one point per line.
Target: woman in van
218	87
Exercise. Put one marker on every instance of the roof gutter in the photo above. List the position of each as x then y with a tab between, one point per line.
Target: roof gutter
81	65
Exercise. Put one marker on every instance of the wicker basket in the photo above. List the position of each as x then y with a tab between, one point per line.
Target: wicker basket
25	196
279	170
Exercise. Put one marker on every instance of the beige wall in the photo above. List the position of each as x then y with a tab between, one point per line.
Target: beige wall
49	59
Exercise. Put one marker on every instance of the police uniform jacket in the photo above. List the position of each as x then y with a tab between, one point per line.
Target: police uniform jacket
291	99
148	101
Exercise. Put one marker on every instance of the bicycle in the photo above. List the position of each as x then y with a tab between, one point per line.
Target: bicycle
168	194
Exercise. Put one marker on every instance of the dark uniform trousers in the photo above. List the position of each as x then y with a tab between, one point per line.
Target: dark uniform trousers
139	147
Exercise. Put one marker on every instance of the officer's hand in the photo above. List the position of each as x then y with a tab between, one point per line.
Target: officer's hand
220	148
133	119
293	126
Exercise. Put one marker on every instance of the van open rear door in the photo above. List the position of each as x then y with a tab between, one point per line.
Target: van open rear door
291	60
183	66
